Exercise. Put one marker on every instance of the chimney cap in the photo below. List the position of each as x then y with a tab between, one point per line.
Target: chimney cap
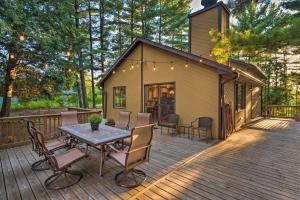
208	3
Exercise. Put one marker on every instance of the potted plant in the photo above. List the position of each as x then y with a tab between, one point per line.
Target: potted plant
95	120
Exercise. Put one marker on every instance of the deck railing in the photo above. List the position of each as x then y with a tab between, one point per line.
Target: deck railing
281	111
13	130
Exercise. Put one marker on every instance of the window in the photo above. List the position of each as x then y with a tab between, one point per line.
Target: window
119	98
240	96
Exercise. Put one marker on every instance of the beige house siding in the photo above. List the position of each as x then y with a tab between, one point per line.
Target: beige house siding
200	26
248	103
132	80
196	87
256	99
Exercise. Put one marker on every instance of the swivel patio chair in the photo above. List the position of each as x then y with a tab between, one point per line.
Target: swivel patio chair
169	121
123	120
202	124
142	120
60	165
52	145
136	154
69	118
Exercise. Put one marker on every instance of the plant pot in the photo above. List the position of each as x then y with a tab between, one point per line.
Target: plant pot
95	127
297	117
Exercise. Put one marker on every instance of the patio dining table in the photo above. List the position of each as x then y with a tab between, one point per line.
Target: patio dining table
98	139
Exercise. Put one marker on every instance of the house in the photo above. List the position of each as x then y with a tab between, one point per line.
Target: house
151	77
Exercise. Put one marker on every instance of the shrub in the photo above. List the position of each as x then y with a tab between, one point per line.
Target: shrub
95	119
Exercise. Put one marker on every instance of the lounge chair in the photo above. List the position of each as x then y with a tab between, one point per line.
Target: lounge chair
169	121
60	165
136	154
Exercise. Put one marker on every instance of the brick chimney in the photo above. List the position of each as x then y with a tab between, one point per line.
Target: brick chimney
212	16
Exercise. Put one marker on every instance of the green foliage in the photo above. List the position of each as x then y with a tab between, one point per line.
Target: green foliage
95	119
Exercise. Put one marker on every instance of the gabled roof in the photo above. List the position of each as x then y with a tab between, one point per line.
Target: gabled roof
250	67
222	69
210	7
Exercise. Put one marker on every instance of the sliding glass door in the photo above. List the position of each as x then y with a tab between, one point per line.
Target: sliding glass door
160	99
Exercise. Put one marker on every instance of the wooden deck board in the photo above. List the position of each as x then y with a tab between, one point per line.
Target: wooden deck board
260	162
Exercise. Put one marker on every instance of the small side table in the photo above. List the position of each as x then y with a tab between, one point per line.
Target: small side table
186	126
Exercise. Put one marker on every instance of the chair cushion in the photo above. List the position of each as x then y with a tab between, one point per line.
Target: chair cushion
119	157
55	144
69	157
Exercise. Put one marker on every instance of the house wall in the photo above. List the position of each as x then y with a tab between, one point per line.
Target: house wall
253	103
196	87
132	80
256	99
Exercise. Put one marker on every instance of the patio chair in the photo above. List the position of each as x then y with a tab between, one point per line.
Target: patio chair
202	124
69	118
136	154
60	165
169	121
52	145
142	120
123	120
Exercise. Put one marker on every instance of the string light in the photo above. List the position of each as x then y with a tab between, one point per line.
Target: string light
46	65
172	67
105	61
186	65
21	38
12	56
68	53
114	72
154	67
201	60
123	70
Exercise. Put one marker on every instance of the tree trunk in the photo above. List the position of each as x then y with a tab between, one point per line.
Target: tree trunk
92	56
160	23
78	92
101	15
81	70
8	86
131	21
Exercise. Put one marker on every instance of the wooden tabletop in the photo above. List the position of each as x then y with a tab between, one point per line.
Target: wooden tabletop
104	135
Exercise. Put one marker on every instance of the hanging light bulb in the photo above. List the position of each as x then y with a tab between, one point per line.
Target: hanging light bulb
68	53
114	72
105	61
21	38
132	66
186	65
201	60
172	67
154	67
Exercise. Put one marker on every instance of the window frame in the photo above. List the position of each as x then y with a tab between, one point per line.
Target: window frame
114	93
242	105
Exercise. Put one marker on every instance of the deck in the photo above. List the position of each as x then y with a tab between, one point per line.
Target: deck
18	181
260	162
